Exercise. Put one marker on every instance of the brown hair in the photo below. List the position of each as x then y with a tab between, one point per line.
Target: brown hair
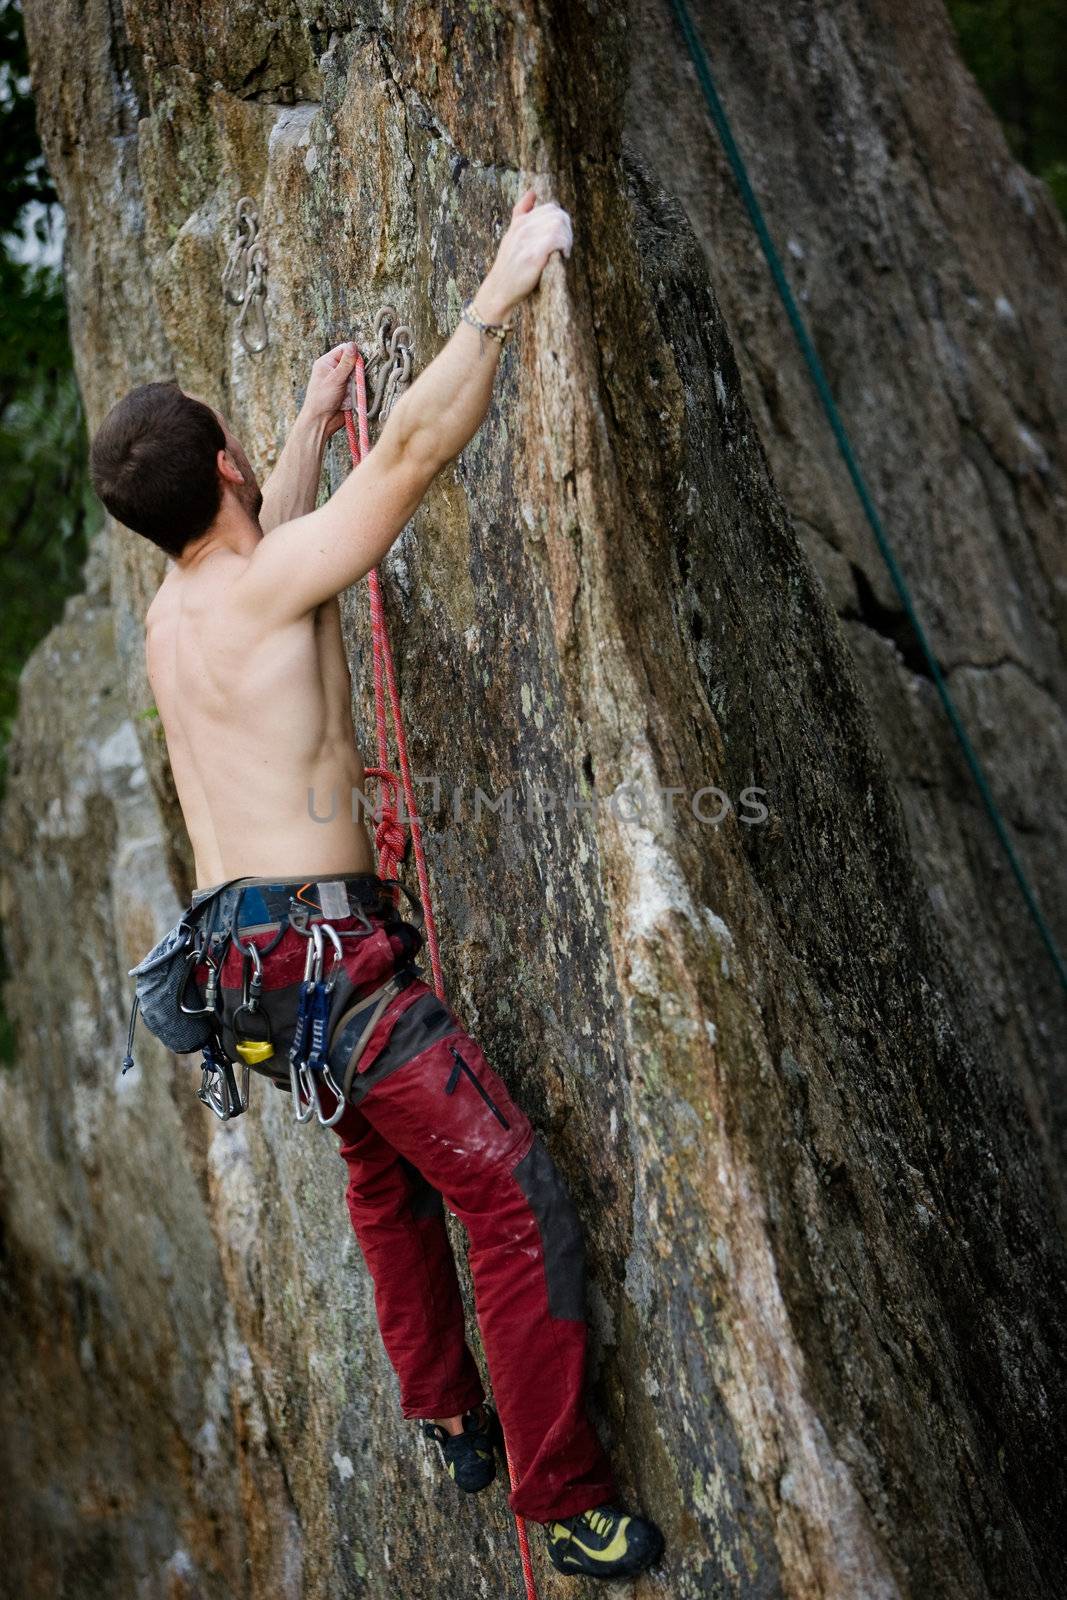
154	464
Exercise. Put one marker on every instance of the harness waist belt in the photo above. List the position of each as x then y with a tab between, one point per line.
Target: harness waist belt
257	900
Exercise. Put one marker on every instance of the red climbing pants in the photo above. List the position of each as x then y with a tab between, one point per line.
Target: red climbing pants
427	1122
444	1125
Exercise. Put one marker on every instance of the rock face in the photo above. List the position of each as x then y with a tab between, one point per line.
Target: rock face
932	273
828	1281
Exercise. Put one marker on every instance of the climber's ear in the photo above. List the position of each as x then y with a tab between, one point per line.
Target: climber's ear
228	469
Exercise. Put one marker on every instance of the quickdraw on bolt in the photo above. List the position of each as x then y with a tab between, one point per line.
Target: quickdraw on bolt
388	365
244	278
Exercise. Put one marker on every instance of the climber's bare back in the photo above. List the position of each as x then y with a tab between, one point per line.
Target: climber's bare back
258	724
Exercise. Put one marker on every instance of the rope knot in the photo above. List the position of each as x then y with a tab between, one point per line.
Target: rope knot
390	836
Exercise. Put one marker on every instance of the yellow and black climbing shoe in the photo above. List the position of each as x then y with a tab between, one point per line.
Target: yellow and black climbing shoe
469	1455
603	1542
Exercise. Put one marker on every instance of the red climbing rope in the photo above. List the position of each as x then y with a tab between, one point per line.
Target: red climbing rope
389	833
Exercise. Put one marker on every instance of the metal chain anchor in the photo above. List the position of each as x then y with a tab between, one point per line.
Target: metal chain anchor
388	364
244	278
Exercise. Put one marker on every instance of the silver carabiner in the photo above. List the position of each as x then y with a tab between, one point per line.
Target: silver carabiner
250	992
252	318
317	944
327	1076
305	1080
339	1111
193	959
335	939
214	1092
235	274
296	1068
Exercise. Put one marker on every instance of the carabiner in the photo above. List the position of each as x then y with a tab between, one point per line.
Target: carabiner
194	959
318	1007
302	1078
218	1087
296	1050
327	1076
250	991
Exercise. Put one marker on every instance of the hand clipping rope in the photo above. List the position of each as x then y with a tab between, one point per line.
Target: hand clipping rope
389	833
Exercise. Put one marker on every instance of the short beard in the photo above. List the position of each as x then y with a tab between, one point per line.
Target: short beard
251	500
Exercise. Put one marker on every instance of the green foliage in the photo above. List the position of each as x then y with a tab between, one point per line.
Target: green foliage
46	510
1017	50
23	176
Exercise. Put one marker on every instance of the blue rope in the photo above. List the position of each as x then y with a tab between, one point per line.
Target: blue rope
859	483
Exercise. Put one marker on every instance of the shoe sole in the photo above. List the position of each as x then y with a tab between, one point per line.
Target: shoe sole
482	1487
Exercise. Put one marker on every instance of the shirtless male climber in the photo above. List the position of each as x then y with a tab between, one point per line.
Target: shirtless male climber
246	660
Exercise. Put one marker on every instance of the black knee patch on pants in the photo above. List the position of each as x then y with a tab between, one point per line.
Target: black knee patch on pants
560	1230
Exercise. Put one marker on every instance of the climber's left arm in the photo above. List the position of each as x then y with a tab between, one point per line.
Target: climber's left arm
293	486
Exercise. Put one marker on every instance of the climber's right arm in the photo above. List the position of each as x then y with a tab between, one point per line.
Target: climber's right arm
313	557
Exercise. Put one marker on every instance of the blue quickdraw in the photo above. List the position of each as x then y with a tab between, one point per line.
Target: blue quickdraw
308	1061
321	999
301	1080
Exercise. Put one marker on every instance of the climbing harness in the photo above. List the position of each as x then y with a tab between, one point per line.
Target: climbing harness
736	161
244	278
389	833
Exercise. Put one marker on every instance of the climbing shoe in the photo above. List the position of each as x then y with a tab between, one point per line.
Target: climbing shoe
469	1455
603	1542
